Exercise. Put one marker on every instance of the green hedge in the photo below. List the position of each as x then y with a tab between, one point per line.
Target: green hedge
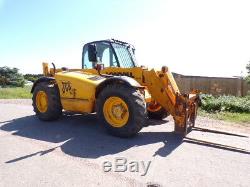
32	77
225	103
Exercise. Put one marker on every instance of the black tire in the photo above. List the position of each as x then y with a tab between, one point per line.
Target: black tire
54	109
136	106
158	115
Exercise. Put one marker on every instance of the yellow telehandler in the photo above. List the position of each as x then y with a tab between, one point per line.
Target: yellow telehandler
111	84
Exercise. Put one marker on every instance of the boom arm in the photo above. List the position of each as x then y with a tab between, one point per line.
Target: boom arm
164	90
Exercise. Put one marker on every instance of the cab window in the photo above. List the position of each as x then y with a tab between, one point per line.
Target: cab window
105	56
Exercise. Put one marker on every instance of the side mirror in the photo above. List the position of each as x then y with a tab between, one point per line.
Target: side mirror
99	67
92	53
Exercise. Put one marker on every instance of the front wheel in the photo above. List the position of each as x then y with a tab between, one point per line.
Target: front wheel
46	102
122	109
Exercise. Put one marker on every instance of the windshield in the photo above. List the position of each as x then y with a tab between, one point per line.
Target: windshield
125	55
110	54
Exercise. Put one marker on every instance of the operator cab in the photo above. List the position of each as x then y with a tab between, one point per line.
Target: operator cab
108	53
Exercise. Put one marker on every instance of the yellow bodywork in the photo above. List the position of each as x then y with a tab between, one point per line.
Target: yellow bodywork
77	90
136	72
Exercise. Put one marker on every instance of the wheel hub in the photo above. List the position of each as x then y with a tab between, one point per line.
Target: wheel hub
153	107
116	111
42	101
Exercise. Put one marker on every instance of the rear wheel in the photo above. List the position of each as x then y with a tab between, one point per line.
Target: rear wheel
46	102
122	109
156	111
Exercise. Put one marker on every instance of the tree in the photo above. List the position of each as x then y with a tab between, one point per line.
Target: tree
248	68
248	72
11	77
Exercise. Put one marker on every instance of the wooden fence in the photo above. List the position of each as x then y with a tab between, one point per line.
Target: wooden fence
213	85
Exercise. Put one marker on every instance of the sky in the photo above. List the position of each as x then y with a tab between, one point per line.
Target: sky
191	37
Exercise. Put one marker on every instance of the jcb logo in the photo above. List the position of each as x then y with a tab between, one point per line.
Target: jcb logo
129	74
66	86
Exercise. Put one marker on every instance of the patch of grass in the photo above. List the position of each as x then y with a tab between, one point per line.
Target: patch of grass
15	93
225	104
227	108
228	116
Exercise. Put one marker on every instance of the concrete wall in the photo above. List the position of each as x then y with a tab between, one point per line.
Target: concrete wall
213	85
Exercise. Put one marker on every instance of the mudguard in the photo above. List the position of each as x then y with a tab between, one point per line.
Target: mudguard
118	80
42	79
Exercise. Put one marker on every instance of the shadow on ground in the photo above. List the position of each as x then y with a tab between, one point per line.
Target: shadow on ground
82	136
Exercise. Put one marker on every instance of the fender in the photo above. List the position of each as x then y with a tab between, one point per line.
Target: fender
128	81
42	79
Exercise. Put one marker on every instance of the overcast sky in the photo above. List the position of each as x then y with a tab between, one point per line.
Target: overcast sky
192	37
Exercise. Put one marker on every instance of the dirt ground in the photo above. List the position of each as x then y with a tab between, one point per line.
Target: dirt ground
72	150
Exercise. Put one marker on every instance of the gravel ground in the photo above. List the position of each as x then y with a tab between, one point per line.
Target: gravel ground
71	152
16	101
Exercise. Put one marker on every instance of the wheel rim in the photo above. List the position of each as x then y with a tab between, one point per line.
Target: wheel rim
42	101
116	111
154	107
